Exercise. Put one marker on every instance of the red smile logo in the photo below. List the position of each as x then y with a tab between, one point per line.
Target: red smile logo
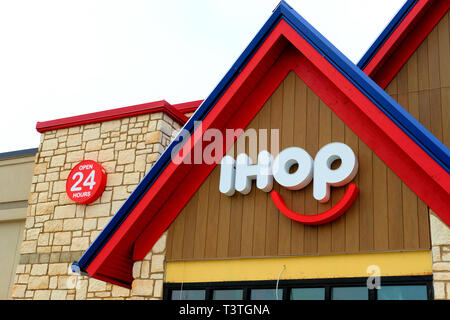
238	176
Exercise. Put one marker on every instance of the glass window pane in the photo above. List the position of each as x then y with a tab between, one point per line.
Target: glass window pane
266	294
350	293
228	295
402	292
308	294
188	294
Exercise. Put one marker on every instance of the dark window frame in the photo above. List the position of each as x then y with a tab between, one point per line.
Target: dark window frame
287	285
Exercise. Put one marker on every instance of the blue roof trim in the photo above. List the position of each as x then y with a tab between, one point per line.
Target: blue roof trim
380	98
18	153
386	33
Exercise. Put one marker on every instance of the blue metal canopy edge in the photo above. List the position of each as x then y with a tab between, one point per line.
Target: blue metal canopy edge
429	143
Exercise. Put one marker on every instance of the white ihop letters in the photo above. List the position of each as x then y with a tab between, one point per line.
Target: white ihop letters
238	175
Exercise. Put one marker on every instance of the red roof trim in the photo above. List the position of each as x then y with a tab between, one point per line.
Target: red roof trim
101	116
177	183
187	107
405	39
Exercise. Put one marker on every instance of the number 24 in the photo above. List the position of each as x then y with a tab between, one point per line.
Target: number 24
89	182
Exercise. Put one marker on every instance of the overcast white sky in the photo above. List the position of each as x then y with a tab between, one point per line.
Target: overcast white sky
62	58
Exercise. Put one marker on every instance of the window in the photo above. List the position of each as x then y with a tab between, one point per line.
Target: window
308	294
350	293
266	294
392	288
402	292
228	294
188	295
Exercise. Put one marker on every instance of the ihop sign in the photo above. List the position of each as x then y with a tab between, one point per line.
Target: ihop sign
237	175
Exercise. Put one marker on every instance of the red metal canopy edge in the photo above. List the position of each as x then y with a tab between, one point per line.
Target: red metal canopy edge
176	112
404	39
283	50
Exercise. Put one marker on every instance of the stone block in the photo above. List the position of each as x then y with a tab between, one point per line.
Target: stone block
73	224
131	178
38	282
62	238
142	287
41	295
59	295
106	155
18	291
160	245
55	269
39	269
44	208
79	244
114	179
75	156
28	247
67	211
73	140
98	210
91	134
153	137
126	156
108	126
53	225
58	161
50	144
440	233
157	263
94	145
120	291
96	285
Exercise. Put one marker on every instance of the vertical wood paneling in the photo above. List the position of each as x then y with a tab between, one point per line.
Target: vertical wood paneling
395	210
298	201
213	216
338	226
352	214
366	220
381	242
202	218
324	239
189	227
426	79
312	145
287	140
386	216
271	210
259	229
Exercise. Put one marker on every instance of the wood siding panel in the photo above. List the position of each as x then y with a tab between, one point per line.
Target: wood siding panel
425	80
387	216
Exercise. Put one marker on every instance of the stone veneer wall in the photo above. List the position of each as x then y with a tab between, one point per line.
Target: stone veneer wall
58	231
440	248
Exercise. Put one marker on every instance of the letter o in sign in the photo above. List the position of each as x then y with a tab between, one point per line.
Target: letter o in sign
285	160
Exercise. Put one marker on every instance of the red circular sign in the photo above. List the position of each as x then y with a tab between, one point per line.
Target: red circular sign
86	182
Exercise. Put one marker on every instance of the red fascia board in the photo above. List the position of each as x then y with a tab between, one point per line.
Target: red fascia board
101	116
404	40
174	175
187	107
388	141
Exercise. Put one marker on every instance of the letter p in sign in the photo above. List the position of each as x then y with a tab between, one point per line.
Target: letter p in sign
86	182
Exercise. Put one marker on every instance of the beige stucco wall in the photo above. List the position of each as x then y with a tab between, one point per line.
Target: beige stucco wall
15	180
440	242
58	231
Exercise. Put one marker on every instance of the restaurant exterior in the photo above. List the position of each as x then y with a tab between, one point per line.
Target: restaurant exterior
301	176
